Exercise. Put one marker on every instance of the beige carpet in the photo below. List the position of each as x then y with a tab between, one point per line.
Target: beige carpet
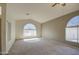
42	47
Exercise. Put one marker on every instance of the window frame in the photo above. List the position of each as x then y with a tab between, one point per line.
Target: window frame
32	31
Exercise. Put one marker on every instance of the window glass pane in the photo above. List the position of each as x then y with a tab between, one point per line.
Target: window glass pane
78	34
72	30
29	26
71	34
29	30
74	21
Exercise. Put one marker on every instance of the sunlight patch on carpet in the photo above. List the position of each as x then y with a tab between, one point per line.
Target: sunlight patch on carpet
32	40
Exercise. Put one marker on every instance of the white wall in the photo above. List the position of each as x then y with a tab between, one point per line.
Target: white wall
10	42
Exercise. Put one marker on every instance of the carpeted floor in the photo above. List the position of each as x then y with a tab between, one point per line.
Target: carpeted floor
39	46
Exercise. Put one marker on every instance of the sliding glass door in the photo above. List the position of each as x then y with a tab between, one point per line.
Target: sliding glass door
72	34
72	30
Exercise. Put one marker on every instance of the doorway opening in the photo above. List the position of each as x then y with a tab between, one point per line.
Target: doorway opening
72	30
29	31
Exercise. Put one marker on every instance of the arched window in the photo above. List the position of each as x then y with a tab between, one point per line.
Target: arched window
72	30
73	22
29	30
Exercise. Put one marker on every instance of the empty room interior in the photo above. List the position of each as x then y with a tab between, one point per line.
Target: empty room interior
39	28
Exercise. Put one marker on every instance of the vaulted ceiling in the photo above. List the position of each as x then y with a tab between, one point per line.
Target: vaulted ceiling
40	12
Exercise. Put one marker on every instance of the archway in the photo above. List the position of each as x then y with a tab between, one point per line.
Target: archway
29	30
72	30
